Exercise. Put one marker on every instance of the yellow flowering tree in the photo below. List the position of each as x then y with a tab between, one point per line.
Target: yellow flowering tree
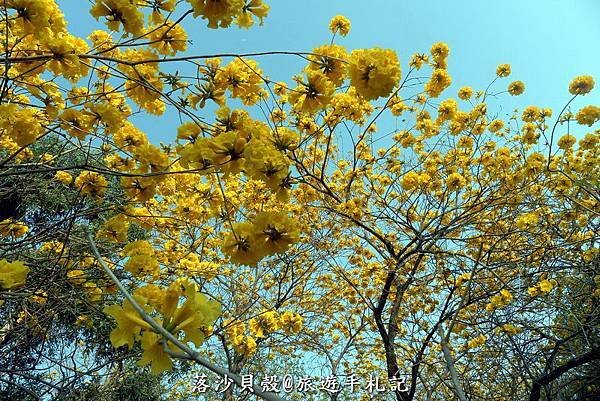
247	245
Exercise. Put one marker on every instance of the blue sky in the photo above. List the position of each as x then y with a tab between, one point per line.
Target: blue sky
547	42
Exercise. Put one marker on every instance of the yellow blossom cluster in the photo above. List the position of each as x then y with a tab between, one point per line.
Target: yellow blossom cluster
192	319
374	72
499	300
12	274
11	228
266	234
259	327
339	24
543	287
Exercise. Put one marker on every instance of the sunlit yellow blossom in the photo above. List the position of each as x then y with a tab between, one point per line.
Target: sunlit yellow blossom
581	85
142	260
129	324
291	322
218	13
503	70
253	8
12	274
455	181
588	115
312	95
516	88
374	72
91	183
11	228
527	221
265	323
114	229
119	12
439	52
496	125
339	24
275	231
465	92
499	300
440	80
168	38
241	245
417	60
566	141
331	60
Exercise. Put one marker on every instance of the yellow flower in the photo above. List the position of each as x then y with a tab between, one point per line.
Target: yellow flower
581	85
119	12
91	183
476	342
516	88
140	188
194	317
530	114
465	92
78	124
266	163
142	260
546	286
189	131
114	229
313	95
527	221
241	245
168	39
243	78
530	133
246	346
417	60
446	110
275	231
23	125
589	141
129	324
374	72
154	353
280	88
10	228
76	276
291	323
265	323
588	115
439	52
499	300
566	141
496	125
503	70
331	61
440	80
509	329
229	151
65	62
340	24
218	13
455	181
12	274
410	180
254	7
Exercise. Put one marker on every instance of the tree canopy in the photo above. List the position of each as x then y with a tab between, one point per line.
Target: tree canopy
278	235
